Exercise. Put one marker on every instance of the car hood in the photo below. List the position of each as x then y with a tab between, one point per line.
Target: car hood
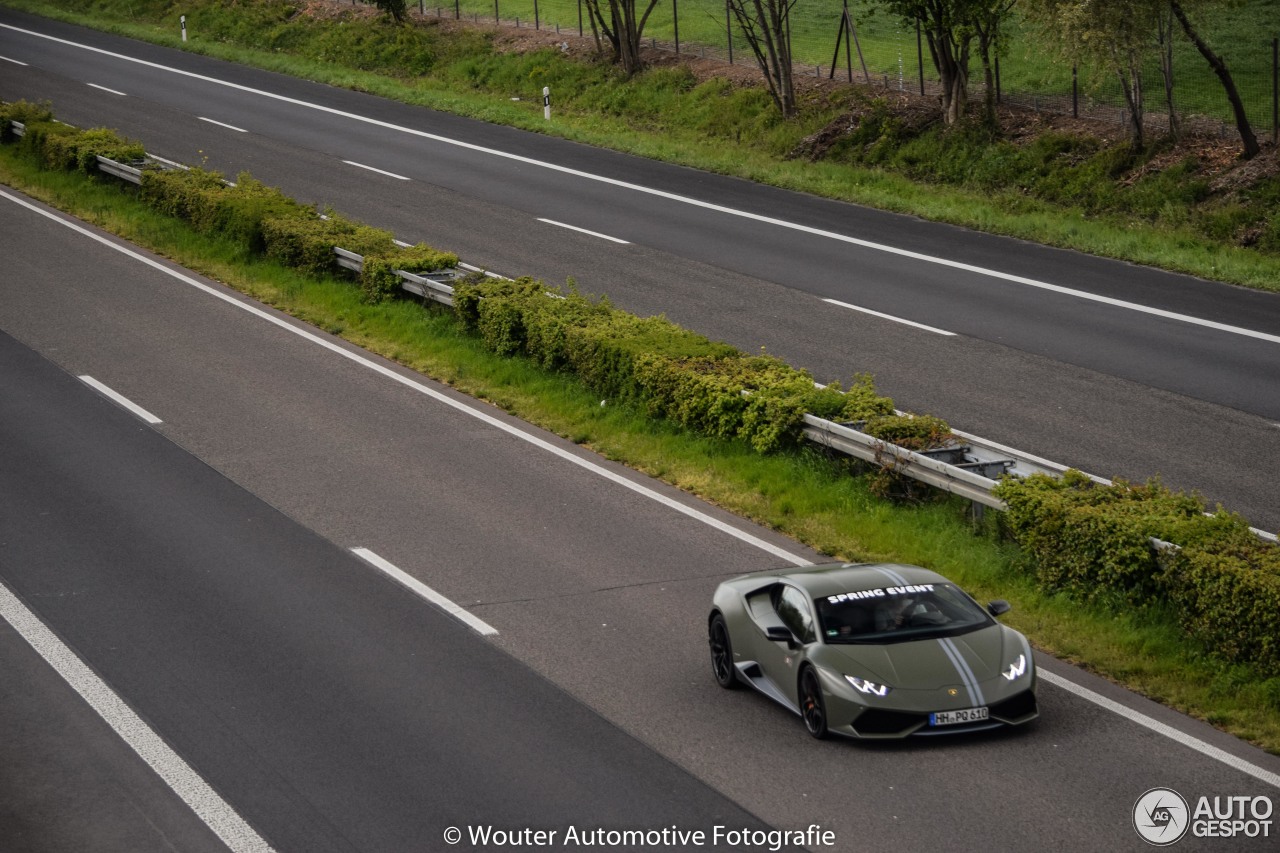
930	664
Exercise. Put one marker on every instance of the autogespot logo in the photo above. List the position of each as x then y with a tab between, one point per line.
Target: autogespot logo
1161	817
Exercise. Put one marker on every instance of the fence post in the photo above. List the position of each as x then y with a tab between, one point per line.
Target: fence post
457	10
537	24
728	29
920	57
496	19
1075	91
997	46
675	22
1275	91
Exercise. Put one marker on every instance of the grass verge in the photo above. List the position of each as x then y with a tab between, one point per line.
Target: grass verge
827	504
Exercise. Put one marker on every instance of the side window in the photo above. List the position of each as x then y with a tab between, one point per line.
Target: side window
793	610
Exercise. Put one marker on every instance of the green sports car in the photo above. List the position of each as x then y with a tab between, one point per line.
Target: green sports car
872	650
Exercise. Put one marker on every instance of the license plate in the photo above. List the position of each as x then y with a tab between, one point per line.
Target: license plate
951	718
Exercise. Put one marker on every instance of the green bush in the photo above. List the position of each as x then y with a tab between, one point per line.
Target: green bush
307	244
1229	598
707	387
378	279
1094	541
183	193
23	112
63	147
914	432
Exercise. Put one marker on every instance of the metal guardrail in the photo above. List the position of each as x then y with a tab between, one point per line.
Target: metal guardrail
925	467
434	285
132	174
968	469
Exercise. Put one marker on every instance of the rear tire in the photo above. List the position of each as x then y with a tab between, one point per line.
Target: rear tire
722	667
812	707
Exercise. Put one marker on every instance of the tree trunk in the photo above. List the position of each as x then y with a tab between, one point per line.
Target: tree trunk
766	26
1219	66
1130	74
1166	71
949	48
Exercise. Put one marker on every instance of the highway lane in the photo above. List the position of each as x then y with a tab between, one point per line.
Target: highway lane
330	707
1111	390
597	587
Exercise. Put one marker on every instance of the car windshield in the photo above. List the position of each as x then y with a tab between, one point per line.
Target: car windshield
899	613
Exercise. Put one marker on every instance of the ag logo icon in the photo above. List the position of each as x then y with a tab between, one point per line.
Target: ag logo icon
1161	816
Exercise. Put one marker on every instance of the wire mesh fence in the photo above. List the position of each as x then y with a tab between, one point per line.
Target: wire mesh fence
883	51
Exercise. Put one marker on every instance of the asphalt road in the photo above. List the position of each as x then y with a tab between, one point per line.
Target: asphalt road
1192	393
201	566
333	708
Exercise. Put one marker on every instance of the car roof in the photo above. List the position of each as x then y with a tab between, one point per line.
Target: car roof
834	578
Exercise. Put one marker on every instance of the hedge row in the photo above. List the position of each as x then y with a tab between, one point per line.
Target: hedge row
1094	542
1089	540
60	146
264	219
708	387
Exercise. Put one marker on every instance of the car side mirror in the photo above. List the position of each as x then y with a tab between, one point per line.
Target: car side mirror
779	634
999	607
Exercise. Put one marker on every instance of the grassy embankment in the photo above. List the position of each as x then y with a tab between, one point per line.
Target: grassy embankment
1157	207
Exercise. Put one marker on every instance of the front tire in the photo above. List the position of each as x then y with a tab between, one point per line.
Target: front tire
812	707
721	653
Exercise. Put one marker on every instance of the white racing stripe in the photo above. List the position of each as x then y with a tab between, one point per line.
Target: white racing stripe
705	205
216	813
965	673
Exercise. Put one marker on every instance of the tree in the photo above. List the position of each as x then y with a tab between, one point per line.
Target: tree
950	27
1118	33
622	24
1219	66
986	23
766	25
394	8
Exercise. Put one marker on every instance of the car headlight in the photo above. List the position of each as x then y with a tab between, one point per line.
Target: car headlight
1017	669
868	687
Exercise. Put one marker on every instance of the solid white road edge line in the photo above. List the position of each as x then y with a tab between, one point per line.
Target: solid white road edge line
890	317
14	61
105	89
515	431
216	813
705	205
121	399
584	231
379	171
223	124
465	408
424	591
1158	727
